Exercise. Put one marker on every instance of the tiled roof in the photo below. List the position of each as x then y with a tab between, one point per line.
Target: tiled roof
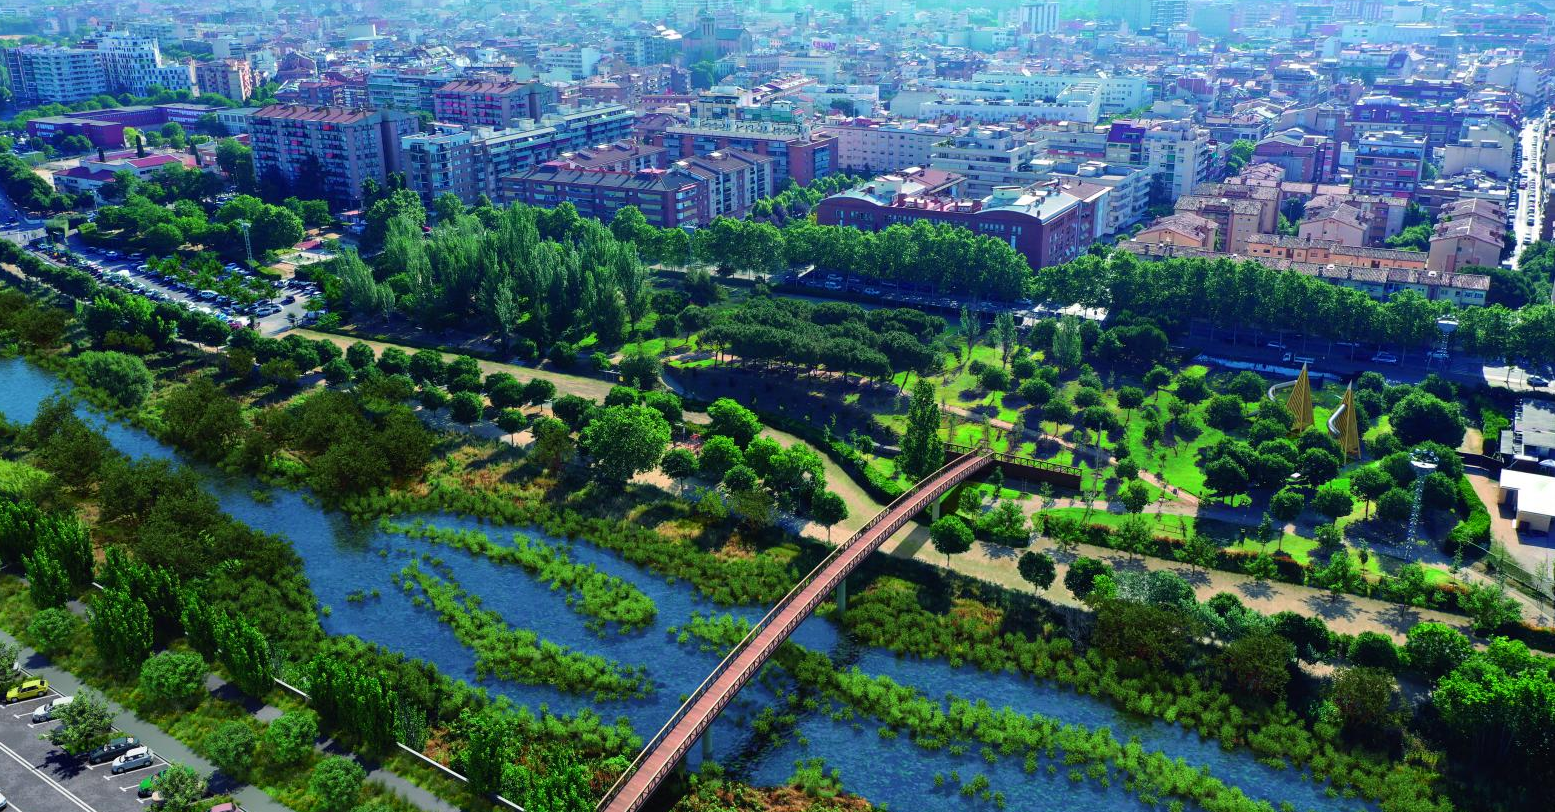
303	112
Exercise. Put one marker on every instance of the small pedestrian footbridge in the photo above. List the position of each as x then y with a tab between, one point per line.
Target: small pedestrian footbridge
691	722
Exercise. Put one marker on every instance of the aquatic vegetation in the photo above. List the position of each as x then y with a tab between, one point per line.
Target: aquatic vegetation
727	580
714	633
518	654
605	598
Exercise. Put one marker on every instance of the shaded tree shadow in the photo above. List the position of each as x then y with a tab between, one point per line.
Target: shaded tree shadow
999	552
1192	575
1256	590
1399	618
1329	607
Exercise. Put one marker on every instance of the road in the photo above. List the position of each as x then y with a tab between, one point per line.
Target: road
1528	214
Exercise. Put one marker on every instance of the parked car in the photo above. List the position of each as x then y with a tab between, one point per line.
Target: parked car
46	713
1384	358
134	758
29	689
1538	381
112	750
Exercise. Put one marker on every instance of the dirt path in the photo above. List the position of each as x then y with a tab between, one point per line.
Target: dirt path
1346	613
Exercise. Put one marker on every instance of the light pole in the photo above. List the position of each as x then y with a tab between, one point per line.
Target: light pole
248	247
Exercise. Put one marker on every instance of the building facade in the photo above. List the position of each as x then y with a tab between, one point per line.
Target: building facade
40	75
336	148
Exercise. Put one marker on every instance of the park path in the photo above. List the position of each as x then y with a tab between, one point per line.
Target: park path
1349	614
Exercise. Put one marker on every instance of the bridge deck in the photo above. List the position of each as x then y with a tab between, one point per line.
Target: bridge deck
675	739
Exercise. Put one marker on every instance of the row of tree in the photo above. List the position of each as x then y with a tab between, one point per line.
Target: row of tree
836	336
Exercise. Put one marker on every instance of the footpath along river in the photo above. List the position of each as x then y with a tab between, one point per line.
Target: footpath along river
342	558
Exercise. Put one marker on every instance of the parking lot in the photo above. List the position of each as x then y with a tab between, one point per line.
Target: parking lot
36	776
130	272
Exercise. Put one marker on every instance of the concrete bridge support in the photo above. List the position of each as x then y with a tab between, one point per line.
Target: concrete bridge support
842	596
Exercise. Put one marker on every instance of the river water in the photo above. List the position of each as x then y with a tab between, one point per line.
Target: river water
341	558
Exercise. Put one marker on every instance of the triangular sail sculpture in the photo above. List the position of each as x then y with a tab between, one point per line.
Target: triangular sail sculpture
1349	430
1300	403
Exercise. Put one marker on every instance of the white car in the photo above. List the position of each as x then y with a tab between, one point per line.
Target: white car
1384	358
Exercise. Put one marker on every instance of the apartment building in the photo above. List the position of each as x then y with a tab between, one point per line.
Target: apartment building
668	198
871	147
1115	94
40	75
404	89
1079	102
339	148
1470	232
732	181
134	64
1388	164
468	162
232	78
1181	155
1046	224
988	157
1305	157
1127	201
487	103
1487	146
798	153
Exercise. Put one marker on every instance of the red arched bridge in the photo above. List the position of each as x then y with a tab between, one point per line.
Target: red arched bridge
667	747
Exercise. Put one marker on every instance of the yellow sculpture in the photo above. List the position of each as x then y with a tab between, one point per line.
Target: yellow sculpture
1300	403
1349	430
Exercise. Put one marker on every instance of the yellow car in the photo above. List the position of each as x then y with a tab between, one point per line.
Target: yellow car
31	689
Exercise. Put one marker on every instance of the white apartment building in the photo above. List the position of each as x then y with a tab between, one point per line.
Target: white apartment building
1181	155
1078	102
1038	17
822	67
133	63
874	148
987	157
573	61
64	75
1116	94
1128	199
1487	146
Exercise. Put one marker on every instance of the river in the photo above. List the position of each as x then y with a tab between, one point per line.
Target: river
342	558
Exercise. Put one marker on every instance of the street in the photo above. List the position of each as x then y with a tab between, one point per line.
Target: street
1527	213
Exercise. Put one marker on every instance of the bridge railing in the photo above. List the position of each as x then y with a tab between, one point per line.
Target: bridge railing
742	647
1029	462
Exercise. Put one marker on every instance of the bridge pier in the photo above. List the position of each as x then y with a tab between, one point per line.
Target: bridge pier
934	510
842	596
707	744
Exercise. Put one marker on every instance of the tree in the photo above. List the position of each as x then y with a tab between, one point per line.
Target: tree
1342	573
47	582
1240	153
1262	567
1362	696
50	630
1135	495
1395	505
1224	412
923	452
1143	637
466	407
538	391
1374	650
1259	665
950	536
1198	550
679	464
1037	569
121	627
728	418
1129	399
553	442
1004	328
83	724
174	678
336	783
827	508
123	377
1370	483
625	440
1286	504
1225	478
1058	410
180	788
290	737
718	455
1435	649
1419	417
1488	607
1082	575
1333	503
231	747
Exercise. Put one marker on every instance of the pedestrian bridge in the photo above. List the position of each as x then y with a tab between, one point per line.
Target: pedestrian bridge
691	721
